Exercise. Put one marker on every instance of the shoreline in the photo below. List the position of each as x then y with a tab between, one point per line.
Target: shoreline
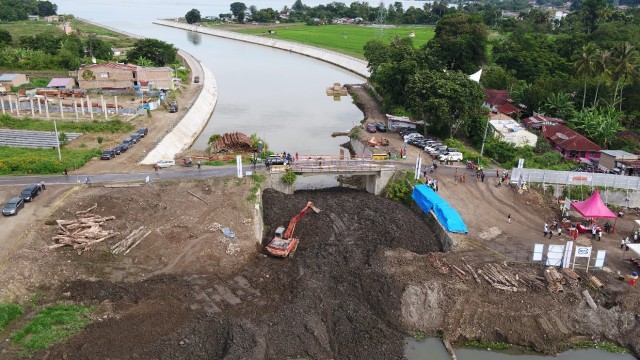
354	65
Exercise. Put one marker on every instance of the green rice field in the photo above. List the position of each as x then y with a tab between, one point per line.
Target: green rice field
347	39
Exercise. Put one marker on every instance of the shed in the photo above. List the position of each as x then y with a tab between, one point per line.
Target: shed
611	159
61	83
13	80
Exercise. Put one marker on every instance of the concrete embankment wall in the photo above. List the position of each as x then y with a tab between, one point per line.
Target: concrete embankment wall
187	130
355	65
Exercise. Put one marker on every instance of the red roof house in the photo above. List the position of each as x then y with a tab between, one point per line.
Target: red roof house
569	143
537	121
497	97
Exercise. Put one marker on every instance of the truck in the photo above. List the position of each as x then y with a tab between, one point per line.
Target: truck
284	244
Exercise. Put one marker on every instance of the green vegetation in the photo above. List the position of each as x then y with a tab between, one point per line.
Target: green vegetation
52	324
418	335
606	346
399	188
345	38
8	313
21	161
110	126
540	157
467	154
213	138
256	180
477	344
289	177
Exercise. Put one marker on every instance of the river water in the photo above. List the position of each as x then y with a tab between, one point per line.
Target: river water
275	94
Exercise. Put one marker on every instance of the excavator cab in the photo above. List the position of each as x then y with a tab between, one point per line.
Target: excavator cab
280	232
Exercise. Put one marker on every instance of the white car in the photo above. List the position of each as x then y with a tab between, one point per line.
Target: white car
412	136
165	163
452	156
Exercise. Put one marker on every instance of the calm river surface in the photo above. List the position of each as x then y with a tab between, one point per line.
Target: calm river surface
275	94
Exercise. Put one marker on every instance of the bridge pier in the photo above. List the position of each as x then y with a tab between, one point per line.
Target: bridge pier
274	181
376	183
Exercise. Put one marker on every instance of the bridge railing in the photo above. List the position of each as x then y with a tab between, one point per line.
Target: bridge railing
306	166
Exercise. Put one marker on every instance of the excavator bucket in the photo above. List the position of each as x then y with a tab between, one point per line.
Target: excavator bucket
315	209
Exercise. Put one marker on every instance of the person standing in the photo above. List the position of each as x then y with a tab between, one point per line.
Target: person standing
635	237
509	218
622	244
482	176
599	234
559	232
546	230
200	164
497	173
593	232
297	156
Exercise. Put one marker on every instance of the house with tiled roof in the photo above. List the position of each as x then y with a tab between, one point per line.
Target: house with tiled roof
571	144
61	83
113	75
498	101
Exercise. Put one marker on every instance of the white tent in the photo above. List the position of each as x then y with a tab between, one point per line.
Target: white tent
476	76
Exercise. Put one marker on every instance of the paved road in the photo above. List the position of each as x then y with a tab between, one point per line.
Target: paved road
172	173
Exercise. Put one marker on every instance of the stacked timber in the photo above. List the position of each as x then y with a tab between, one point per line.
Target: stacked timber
571	277
232	142
132	240
554	279
500	278
83	232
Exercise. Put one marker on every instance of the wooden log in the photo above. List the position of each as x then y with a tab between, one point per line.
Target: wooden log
571	274
597	283
88	210
138	242
587	296
459	270
447	345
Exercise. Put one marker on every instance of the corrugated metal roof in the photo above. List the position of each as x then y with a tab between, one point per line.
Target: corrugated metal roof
617	153
58	82
8	77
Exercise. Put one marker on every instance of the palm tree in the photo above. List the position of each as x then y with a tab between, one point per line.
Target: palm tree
143	61
583	62
625	60
601	69
559	105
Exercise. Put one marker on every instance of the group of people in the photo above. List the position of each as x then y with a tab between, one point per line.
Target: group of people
549	230
288	158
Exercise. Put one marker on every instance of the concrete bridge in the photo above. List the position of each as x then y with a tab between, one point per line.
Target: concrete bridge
377	174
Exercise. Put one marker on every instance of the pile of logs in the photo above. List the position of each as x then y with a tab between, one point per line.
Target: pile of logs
499	278
82	232
125	245
554	279
231	142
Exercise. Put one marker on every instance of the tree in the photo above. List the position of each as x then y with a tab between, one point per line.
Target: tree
298	6
601	69
159	52
448	101
142	61
5	37
496	77
46	8
599	124
460	41
559	105
625	58
98	48
193	16
583	63
238	9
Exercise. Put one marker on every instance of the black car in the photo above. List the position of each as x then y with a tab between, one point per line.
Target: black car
381	127
196	79
406	132
13	206
122	148
274	160
117	150
30	192
143	131
128	141
136	137
173	109
108	155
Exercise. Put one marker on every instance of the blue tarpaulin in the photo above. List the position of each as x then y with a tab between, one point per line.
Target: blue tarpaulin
428	200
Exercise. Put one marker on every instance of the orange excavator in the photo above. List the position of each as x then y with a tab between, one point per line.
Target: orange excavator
284	244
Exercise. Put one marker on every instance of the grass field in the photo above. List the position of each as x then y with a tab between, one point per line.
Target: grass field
8	313
347	39
23	161
52	324
111	126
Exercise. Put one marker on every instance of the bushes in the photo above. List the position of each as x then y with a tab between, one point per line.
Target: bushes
543	157
289	177
19	161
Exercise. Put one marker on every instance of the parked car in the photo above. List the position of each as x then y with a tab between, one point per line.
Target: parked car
452	156
196	79
117	150
143	131
173	109
406	132
432	147
108	155
13	206
128	141
412	135
165	163
30	192
274	160
370	128
135	137
122	148
381	127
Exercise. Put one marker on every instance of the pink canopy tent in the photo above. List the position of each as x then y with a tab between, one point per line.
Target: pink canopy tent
593	207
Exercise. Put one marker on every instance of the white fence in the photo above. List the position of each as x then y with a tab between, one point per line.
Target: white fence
554	177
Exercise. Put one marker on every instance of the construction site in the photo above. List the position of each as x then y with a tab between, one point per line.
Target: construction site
366	274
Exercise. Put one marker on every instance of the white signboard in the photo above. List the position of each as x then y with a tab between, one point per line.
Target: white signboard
583	251
555	254
600	259
418	167
520	163
239	166
538	249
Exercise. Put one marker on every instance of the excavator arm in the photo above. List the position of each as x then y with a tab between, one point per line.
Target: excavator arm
292	224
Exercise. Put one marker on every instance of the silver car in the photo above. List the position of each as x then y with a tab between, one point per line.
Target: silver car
13	206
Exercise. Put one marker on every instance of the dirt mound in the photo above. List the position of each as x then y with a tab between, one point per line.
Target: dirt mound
334	291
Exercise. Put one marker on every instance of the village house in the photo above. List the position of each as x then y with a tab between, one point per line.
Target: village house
498	101
33	17
536	121
52	18
13	80
61	83
619	162
122	76
509	130
119	51
570	144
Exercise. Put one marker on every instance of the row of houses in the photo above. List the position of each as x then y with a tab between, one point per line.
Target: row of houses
566	141
103	76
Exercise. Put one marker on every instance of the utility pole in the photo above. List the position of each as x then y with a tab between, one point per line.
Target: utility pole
483	140
55	128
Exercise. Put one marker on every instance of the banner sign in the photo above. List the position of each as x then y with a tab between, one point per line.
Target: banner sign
600	259
579	178
554	255
583	251
538	249
239	166
566	259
